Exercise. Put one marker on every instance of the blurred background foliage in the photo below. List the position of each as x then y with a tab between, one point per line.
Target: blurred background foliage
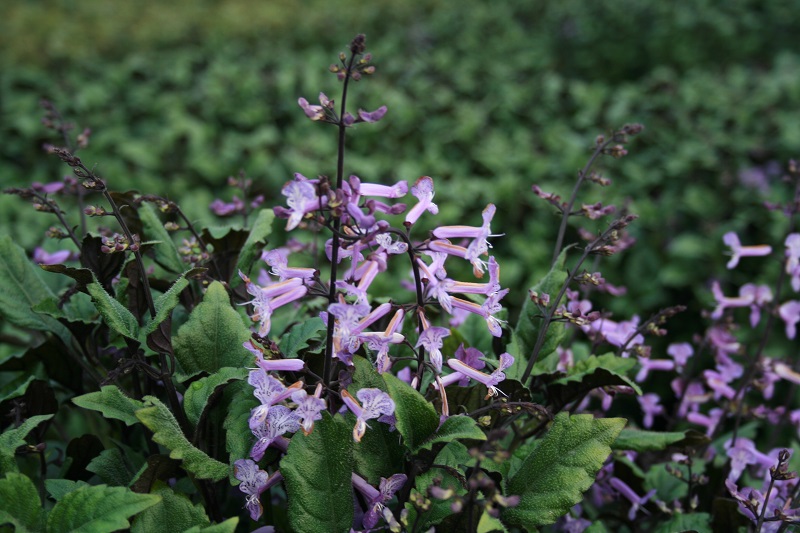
486	97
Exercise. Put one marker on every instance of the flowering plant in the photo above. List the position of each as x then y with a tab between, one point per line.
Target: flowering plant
335	404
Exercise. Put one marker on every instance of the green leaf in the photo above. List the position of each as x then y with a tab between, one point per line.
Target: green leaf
530	321
555	475
592	373
113	467
228	526
365	376
166	252
198	393
110	401
455	427
165	303
299	335
236	423
682	522
20	505
317	469
97	509
379	454
116	316
455	456
212	338
166	431
21	288
416	417
651	441
173	513
489	524
58	488
261	229
16	387
12	439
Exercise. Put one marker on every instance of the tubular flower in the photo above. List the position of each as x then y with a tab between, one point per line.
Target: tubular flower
490	380
479	245
431	340
273	365
267	299
301	197
308	407
377	497
253	483
280	420
423	191
487	310
268	391
374	404
738	251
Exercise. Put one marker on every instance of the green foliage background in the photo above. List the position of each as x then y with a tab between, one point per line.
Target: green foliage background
486	97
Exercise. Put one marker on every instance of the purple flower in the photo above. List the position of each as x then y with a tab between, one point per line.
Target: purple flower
374	404
718	382
648	364
790	313
422	191
636	501
268	391
760	295
743	454
373	116
222	209
471	357
398	190
253	483
651	406
379	341
376	498
280	420
308	407
490	380
738	251
680	352
55	258
316	112
724	302
479	245
792	244
710	421
301	197
431	340
273	365
267	299
487	310
278	259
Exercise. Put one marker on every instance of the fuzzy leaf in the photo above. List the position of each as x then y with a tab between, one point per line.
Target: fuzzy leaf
317	469
365	376
58	488
652	441
16	387
299	335
20	505
530	321
241	402
416	417
453	457
166	252
255	242
173	513
379	454
555	475
198	393
97	509
12	439
116	316
110	401
21	288
228	526
165	303
683	522
166	431
112	467
212	338
455	427
592	373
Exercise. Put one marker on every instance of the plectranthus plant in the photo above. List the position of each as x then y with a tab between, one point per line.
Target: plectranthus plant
341	358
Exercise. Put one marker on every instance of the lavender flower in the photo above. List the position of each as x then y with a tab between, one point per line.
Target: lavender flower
308	408
629	494
431	340
423	191
253	483
280	419
376	404
792	244
377	497
490	380
738	251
